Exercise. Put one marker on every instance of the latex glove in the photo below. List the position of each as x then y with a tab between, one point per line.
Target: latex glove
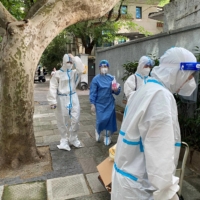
118	85
175	197
53	106
93	109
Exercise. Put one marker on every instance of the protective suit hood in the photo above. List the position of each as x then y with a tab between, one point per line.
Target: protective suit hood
168	72
65	65
144	60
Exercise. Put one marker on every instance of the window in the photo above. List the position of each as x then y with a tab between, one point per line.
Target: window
138	12
123	10
121	41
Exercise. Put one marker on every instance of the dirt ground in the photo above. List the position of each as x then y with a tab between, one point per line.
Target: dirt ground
31	170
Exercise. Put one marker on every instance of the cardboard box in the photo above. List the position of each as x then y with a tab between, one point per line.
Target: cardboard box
105	173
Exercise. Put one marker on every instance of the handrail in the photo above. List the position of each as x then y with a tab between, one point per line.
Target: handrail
183	165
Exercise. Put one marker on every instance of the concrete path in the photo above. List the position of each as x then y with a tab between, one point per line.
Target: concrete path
74	174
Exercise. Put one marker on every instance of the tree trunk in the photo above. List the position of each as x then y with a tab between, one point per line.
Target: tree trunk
20	51
17	142
88	50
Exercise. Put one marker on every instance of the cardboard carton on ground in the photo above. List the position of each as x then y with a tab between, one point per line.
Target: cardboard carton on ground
105	173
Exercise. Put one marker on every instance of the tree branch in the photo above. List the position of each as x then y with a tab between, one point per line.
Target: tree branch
35	8
55	15
2	31
5	17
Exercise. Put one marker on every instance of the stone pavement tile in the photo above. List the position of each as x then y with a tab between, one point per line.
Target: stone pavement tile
189	192
54	122
88	152
51	138
67	164
44	127
39	123
194	180
56	131
90	116
1	191
96	196
64	172
43	133
28	191
83	135
104	149
39	140
100	159
86	122
67	187
86	127
60	154
114	139
89	142
64	160
88	165
45	119
82	117
94	183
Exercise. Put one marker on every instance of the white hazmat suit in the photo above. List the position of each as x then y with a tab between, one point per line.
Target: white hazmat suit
138	79
62	93
149	141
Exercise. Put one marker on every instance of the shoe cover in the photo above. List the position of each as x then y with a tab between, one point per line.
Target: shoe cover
75	142
107	140
97	136
64	145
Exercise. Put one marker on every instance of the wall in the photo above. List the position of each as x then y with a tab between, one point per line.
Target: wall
181	13
148	24
188	37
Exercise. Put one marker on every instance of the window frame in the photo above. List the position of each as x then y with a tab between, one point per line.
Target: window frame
124	6
140	8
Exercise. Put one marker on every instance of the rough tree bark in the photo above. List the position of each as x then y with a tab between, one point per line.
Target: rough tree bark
21	48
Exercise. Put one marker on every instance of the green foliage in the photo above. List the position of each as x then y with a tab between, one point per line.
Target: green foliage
130	68
159	2
53	54
18	8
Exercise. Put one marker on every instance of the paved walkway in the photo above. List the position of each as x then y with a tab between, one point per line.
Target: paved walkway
74	174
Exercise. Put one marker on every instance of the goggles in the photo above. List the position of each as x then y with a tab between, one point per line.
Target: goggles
193	66
150	62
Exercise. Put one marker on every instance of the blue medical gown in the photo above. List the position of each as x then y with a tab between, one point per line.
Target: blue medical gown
101	95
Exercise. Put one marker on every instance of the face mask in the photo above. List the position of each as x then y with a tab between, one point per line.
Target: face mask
145	71
104	70
188	88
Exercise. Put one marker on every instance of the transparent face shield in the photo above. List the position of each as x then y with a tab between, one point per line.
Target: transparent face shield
189	89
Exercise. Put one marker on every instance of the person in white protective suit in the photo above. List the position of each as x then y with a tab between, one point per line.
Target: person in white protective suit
62	94
135	81
149	140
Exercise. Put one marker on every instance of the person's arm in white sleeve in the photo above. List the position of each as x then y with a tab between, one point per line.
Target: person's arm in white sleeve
129	86
159	146
80	67
52	94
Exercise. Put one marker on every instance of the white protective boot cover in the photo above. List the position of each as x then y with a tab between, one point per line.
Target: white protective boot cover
64	145
107	138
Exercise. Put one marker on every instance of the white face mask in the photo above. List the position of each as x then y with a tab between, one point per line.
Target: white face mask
145	71
188	88
104	70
